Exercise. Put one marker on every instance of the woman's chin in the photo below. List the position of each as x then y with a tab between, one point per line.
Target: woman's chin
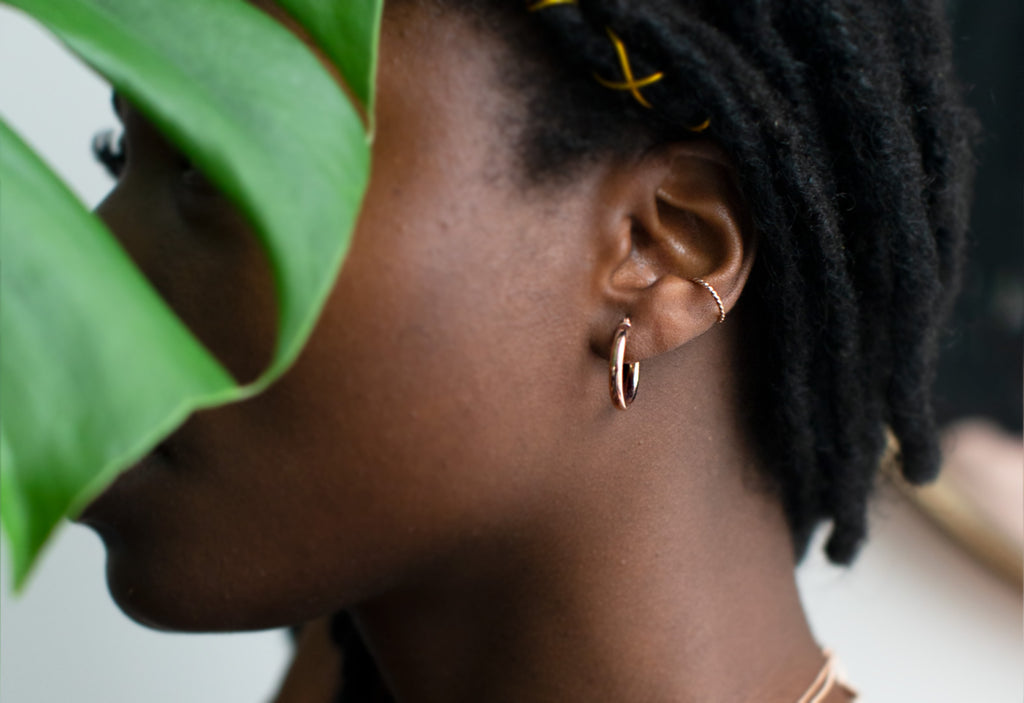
168	594
154	596
156	575
183	583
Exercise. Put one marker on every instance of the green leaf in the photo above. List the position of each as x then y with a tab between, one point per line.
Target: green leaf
77	405
347	32
257	112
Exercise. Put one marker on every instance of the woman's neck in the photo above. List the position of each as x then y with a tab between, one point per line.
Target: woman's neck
652	608
650	568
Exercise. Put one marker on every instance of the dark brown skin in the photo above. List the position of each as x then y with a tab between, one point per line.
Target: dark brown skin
444	458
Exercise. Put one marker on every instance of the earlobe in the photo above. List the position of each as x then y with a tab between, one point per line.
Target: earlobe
689	251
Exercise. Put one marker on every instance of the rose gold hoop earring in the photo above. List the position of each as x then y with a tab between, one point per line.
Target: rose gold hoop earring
714	294
624	377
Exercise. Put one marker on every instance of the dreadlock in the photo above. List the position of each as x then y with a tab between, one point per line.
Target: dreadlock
855	154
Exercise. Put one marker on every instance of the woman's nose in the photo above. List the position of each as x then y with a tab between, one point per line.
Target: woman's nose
132	224
213	274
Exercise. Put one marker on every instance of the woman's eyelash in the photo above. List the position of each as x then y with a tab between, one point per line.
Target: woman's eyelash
109	150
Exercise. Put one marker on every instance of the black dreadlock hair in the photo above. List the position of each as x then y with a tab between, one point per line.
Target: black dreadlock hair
854	149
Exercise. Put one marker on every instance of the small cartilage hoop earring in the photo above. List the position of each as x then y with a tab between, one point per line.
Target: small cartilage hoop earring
624	377
714	294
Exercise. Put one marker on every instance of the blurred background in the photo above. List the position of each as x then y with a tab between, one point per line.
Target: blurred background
932	610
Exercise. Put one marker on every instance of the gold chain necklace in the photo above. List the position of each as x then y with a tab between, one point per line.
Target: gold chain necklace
824	682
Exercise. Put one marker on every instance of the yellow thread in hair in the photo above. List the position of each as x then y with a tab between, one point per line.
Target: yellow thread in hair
701	127
630	84
548	3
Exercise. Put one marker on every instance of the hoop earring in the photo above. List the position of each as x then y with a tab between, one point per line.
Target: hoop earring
624	378
714	294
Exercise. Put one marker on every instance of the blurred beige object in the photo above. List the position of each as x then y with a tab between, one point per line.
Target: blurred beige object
979	497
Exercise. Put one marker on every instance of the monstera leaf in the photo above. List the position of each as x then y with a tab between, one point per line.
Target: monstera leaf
95	368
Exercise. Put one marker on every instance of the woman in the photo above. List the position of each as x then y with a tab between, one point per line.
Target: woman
759	205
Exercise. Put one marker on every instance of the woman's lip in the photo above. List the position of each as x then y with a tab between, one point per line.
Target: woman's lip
163	451
160	458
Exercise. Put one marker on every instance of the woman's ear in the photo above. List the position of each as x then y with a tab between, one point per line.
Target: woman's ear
677	229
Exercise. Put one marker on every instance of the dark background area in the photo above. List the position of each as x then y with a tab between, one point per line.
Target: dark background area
982	368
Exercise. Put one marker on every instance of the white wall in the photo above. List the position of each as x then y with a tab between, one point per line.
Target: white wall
916	620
